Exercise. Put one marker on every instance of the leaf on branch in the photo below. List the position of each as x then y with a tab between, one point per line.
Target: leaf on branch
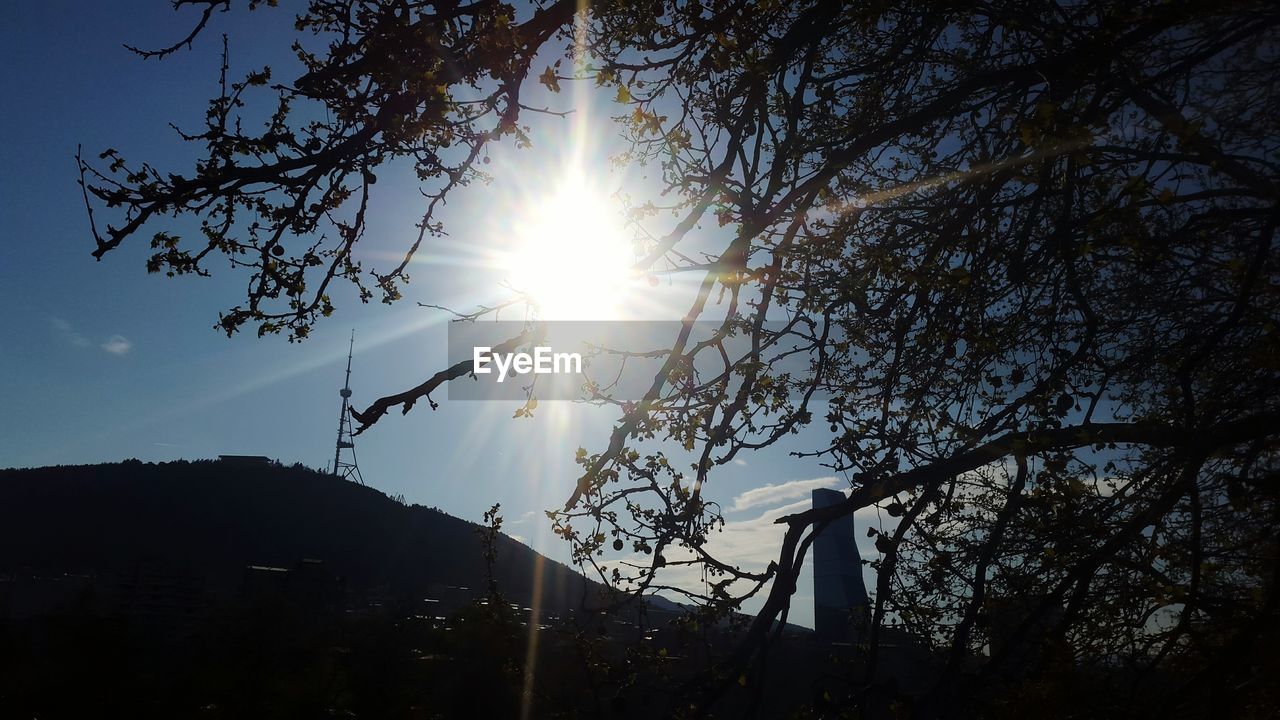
549	78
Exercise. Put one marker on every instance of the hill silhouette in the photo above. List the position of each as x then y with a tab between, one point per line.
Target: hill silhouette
212	519
198	589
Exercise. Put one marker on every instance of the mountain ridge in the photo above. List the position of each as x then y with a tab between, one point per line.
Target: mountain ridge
215	518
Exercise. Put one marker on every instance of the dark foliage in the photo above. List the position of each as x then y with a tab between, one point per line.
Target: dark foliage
1027	249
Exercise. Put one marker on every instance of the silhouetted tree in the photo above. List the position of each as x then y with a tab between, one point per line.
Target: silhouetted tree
1027	249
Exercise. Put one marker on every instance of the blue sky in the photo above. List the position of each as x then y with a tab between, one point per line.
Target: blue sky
100	361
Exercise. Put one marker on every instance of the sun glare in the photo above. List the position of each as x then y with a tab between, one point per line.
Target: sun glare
571	256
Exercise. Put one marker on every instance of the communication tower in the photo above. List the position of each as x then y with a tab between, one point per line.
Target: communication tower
346	439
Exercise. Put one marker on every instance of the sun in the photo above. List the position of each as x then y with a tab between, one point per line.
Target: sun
571	255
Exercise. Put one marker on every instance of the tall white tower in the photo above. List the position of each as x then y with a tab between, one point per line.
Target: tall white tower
346	440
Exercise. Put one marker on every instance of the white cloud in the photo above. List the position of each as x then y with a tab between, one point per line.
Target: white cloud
117	345
753	543
524	518
774	494
749	544
68	332
739	462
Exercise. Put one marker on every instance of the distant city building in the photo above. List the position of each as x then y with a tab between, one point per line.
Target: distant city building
309	584
839	595
24	597
160	595
264	581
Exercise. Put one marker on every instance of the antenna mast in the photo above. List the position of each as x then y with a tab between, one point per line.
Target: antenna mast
346	440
